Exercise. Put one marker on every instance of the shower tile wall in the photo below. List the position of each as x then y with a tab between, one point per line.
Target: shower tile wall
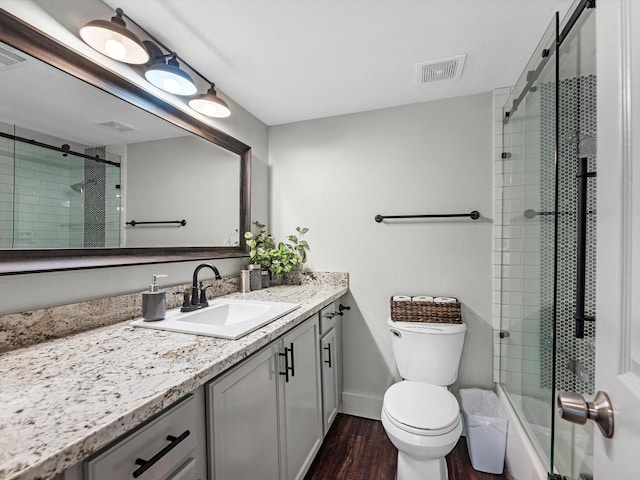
39	208
41	198
112	208
575	358
6	193
94	204
523	272
516	256
499	98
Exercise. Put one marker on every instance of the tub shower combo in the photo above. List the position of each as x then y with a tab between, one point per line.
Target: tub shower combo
548	241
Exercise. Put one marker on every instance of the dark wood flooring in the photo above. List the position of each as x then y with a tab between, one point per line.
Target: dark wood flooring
358	449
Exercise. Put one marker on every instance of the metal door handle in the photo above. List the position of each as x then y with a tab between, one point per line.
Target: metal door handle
286	364
328	349
575	409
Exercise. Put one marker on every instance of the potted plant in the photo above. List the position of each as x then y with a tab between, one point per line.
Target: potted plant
277	258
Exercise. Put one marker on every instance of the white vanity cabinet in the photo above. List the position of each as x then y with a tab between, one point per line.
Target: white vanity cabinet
330	399
265	415
170	447
331	362
244	419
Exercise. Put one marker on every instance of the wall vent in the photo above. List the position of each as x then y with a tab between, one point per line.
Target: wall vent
439	70
9	57
115	125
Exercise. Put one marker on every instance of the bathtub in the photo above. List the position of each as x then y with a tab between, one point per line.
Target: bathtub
528	443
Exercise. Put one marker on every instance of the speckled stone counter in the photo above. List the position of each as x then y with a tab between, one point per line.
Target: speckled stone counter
63	400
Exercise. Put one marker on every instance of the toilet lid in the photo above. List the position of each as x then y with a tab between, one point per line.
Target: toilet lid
421	406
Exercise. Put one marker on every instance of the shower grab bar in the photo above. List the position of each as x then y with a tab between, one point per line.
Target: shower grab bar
581	247
133	223
474	215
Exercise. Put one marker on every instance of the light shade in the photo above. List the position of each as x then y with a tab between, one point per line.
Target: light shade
210	104
170	78
111	38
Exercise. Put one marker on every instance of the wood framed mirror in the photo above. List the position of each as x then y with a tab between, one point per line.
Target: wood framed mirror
17	259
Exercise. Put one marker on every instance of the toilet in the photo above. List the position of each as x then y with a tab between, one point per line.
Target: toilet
420	415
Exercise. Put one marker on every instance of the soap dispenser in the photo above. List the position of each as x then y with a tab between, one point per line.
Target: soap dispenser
154	304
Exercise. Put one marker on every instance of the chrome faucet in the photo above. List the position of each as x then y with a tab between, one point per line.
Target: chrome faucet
200	301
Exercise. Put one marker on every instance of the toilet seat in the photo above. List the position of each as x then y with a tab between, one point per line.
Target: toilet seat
421	408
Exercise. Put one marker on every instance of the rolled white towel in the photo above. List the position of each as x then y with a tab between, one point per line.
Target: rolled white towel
445	300
422	298
401	298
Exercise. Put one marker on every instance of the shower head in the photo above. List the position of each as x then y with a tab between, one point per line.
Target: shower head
79	187
587	144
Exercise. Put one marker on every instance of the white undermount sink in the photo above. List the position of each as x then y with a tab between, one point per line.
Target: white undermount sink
224	318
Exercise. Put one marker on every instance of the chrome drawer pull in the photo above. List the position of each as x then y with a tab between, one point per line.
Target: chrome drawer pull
147	464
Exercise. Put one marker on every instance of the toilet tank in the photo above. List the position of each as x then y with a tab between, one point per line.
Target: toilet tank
427	352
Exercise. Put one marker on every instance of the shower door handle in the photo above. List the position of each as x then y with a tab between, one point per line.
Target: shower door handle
575	409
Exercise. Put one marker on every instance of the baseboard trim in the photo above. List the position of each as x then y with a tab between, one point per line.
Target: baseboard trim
361	405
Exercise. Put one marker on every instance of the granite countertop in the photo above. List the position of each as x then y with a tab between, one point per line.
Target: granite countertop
65	399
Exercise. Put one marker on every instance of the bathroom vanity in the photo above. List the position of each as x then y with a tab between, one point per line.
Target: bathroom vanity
173	405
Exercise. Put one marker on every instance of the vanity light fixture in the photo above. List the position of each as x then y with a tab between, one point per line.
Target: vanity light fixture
113	39
162	70
170	77
167	74
210	104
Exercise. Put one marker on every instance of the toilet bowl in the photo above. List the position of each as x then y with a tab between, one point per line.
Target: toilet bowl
423	423
420	415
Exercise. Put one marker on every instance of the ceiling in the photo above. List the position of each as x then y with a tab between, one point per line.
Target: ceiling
291	60
56	96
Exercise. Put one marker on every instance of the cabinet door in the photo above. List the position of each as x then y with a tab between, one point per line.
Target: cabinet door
302	399
330	365
243	420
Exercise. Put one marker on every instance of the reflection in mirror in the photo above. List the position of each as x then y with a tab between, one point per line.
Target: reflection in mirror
79	167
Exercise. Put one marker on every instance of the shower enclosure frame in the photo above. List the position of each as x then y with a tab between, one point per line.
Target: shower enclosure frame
546	59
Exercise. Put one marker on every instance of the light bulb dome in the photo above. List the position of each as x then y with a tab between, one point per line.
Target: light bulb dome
171	78
113	39
210	104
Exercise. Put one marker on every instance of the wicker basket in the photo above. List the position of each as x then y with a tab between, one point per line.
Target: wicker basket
427	312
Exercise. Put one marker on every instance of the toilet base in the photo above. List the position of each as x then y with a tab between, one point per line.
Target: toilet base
412	468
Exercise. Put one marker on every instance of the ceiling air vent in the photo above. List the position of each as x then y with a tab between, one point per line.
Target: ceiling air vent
442	69
9	57
115	125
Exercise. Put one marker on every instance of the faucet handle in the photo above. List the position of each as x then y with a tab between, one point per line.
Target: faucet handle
203	294
186	300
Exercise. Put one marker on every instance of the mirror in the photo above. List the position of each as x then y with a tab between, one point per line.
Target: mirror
119	183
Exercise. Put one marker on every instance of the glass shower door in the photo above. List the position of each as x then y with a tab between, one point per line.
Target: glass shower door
575	325
528	248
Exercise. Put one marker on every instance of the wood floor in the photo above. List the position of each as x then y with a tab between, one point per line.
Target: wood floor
358	449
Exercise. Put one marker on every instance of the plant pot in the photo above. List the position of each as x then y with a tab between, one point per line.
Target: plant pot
277	278
266	279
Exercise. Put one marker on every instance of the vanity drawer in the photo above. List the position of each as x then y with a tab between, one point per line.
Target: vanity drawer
328	318
163	443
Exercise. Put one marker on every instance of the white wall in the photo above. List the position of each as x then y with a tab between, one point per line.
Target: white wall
334	175
200	177
25	292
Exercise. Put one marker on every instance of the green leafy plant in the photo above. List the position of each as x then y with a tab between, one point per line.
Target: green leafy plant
277	257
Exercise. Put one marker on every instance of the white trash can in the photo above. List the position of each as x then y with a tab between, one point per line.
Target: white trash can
486	427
